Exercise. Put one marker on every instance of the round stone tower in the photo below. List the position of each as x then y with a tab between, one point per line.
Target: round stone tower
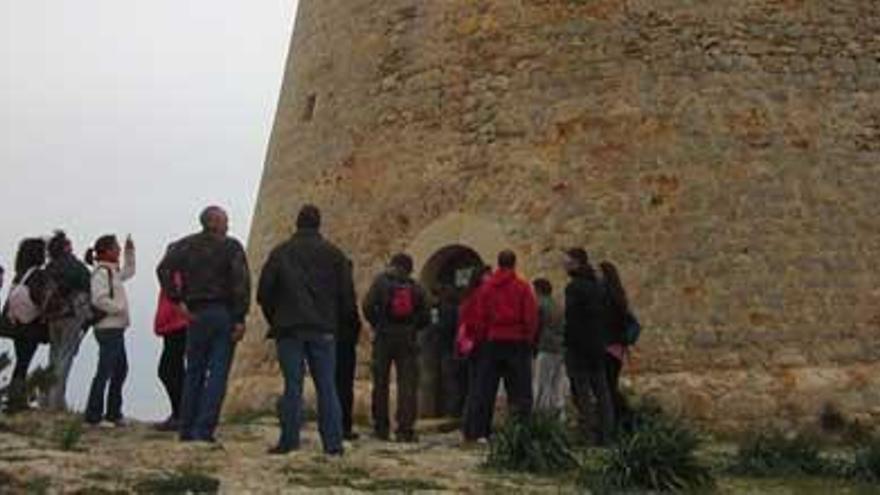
725	154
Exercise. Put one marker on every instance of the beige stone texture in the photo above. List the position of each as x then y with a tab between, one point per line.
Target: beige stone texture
725	154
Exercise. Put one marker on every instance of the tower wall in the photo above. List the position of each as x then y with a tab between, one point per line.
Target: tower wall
723	153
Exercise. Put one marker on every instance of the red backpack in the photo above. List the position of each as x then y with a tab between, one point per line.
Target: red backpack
402	303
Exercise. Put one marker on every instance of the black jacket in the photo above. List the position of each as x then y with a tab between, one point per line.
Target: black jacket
307	287
214	270
586	318
378	298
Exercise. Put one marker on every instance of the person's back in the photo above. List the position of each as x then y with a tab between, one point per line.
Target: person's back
510	313
552	323
311	289
586	317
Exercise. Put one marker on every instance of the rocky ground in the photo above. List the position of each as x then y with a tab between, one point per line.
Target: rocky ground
52	454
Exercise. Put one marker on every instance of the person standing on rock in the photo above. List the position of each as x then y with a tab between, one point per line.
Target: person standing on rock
306	293
215	297
109	297
171	324
549	369
586	339
509	316
397	309
67	309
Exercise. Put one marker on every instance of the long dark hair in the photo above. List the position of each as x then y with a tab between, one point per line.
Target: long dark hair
59	245
102	245
31	254
615	287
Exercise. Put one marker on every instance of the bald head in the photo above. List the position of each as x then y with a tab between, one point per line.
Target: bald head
214	220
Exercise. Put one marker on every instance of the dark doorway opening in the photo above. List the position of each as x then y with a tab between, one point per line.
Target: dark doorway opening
446	276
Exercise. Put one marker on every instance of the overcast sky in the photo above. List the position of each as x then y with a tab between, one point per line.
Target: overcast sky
124	116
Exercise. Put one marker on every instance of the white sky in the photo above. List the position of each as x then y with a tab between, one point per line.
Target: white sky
124	116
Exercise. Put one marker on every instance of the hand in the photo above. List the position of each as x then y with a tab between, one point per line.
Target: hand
129	244
238	332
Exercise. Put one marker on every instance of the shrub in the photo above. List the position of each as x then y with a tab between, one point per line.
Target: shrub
68	434
186	480
867	462
659	453
537	444
777	454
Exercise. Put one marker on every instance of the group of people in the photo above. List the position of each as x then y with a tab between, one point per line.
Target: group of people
504	326
56	301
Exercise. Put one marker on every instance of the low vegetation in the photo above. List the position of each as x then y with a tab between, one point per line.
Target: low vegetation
184	480
537	445
68	434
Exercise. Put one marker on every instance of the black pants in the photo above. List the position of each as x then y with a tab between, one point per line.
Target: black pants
346	366
400	350
172	369
589	386
613	367
453	380
512	362
25	349
473	426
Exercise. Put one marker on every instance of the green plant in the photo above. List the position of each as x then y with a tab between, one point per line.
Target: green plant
776	454
537	444
68	433
185	480
659	454
867	462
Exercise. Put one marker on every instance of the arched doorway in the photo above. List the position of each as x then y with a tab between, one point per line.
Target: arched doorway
445	275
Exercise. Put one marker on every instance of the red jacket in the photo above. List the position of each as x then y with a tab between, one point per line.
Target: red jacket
471	332
509	310
169	318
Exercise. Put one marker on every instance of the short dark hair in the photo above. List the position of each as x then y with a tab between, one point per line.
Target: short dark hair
579	255
207	213
403	262
542	286
506	259
58	244
309	217
31	254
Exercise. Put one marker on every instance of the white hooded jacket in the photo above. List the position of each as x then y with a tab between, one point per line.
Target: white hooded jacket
116	306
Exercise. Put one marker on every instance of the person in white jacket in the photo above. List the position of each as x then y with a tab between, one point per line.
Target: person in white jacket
111	305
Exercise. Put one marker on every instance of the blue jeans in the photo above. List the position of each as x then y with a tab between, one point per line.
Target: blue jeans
113	368
320	353
209	350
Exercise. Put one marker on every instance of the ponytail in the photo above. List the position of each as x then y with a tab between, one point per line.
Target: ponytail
90	257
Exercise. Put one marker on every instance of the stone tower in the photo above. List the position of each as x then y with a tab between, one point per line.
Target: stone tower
725	154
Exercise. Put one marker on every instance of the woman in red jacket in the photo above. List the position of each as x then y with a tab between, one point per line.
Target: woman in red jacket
171	324
471	336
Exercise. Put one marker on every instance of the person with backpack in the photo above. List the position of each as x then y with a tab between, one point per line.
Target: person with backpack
509	314
397	309
215	297
624	332
23	314
171	323
110	304
306	293
586	340
67	311
549	370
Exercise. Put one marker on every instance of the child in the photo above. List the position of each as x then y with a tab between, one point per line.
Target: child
111	304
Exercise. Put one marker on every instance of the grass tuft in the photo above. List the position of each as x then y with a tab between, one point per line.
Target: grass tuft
537	444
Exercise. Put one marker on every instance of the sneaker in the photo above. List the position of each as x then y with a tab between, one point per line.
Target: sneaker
336	453
169	425
108	425
279	450
119	422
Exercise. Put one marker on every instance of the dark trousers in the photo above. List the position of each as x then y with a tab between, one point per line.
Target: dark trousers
172	369
346	366
453	380
613	367
589	386
25	348
320	354
401	351
112	368
472	426
511	362
209	351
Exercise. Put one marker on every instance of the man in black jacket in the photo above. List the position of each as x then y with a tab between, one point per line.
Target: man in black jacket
586	338
397	309
307	295
216	295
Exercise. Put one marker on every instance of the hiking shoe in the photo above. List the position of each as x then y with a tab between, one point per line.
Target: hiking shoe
381	435
336	453
169	425
408	437
119	422
351	436
281	450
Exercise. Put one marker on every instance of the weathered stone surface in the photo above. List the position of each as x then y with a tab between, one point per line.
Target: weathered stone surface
726	154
